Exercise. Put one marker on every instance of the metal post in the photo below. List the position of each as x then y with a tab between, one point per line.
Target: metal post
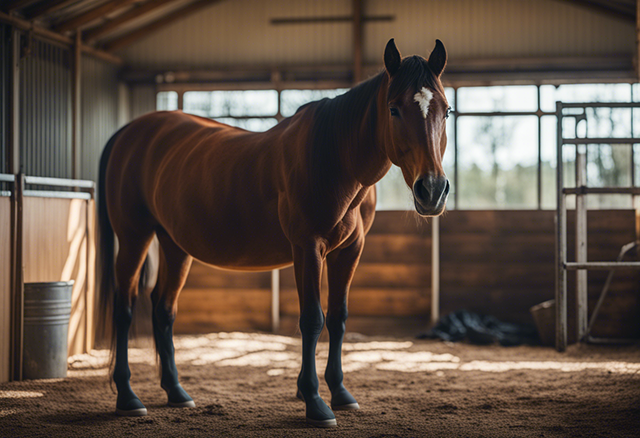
581	243
435	269
17	279
561	243
76	160
275	300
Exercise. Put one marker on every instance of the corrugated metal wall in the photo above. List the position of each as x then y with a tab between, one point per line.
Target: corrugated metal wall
240	33
45	111
99	109
5	63
143	100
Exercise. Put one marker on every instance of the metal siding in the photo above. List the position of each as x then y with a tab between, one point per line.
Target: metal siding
45	111
239	33
5	65
143	100
99	109
474	29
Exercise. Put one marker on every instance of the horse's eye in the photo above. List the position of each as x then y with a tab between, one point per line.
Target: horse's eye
448	112
394	112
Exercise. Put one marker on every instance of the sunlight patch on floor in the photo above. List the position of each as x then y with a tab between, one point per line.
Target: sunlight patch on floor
20	394
281	355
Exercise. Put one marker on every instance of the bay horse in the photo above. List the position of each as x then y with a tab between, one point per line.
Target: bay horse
302	193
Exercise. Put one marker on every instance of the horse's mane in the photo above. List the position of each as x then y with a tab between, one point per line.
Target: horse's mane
338	122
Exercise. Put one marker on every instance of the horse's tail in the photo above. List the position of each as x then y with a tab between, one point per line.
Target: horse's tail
107	290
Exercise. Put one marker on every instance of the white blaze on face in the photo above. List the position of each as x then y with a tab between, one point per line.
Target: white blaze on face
423	97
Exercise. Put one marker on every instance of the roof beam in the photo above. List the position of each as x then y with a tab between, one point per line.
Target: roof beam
12	5
142	32
53	36
92	14
95	33
46	7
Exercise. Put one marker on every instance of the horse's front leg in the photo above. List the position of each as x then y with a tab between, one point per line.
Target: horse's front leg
308	268
341	265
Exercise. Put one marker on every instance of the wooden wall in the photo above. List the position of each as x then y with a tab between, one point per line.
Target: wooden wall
393	280
502	263
5	288
58	247
492	262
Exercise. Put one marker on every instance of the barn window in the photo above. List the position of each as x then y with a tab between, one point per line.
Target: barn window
501	149
167	101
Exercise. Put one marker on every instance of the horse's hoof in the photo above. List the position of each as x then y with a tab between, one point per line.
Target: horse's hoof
140	412
322	423
184	404
347	407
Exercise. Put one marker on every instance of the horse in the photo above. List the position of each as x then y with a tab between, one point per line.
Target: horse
302	192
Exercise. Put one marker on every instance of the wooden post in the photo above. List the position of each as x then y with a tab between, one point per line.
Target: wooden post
275	300
357	41
435	270
17	297
561	242
75	107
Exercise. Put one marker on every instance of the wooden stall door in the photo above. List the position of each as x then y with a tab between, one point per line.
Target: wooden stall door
58	246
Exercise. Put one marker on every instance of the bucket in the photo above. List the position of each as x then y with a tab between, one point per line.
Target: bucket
47	307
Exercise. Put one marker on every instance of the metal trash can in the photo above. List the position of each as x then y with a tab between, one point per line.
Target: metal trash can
47	308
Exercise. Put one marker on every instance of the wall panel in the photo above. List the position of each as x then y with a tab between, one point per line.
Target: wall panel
45	110
5	287
99	109
56	249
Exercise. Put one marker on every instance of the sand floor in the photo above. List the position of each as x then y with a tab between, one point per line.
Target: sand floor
244	385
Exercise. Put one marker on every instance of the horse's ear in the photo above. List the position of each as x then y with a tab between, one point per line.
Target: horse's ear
438	59
392	58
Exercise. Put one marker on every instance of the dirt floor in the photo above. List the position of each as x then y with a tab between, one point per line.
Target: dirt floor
244	385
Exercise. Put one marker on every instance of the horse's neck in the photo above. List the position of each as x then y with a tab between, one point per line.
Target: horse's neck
366	157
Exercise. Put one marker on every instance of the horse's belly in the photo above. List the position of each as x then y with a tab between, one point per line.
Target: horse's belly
230	242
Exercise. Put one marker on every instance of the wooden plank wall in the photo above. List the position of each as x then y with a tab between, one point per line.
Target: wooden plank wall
56	248
493	262
502	263
5	288
392	280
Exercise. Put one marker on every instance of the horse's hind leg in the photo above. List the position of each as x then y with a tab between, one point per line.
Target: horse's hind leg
131	255
174	268
341	265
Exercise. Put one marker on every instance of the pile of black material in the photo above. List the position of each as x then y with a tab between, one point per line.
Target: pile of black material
482	330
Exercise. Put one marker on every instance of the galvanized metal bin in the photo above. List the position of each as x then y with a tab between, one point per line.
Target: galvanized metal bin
47	307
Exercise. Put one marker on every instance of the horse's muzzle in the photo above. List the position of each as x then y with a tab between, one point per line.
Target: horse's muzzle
430	194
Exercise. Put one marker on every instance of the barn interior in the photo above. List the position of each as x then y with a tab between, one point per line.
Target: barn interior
524	78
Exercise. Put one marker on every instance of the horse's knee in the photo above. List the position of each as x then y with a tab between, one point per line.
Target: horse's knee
312	320
336	320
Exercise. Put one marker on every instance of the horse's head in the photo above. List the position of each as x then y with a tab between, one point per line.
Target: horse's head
417	111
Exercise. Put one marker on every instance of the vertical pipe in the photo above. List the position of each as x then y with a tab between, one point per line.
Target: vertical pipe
581	245
275	300
455	151
435	269
561	242
357	40
75	108
539	152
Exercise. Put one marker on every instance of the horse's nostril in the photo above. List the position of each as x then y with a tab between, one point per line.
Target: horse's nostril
420	191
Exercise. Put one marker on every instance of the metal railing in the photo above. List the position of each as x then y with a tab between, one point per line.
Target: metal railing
581	265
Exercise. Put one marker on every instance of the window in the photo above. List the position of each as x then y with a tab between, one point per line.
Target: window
501	151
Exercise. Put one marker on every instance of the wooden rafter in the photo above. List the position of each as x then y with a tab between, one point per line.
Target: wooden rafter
131	37
77	21
12	5
95	33
45	7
